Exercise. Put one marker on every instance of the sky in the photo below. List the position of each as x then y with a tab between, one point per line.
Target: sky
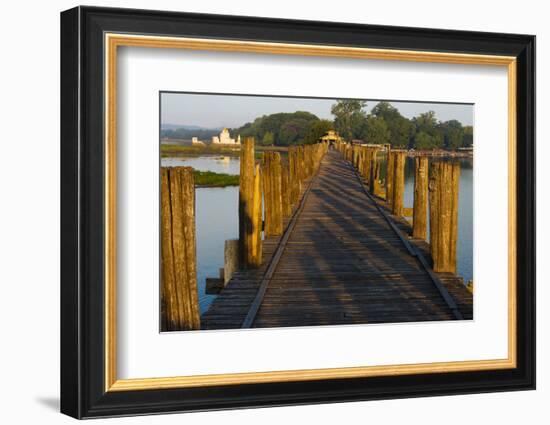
216	111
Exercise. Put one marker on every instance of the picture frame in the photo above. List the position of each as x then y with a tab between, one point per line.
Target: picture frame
90	39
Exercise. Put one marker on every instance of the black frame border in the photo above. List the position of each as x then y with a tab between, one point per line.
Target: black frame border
82	212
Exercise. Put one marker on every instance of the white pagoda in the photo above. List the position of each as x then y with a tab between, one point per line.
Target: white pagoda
225	139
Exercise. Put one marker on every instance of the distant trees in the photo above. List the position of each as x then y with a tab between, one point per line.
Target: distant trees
349	118
384	124
268	138
400	128
188	133
376	130
453	134
316	130
281	129
468	135
427	134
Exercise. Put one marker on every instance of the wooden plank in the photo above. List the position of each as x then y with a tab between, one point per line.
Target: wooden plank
251	315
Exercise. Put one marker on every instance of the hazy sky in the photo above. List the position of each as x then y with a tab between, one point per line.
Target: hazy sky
213	111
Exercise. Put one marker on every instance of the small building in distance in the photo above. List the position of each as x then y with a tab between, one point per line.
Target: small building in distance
331	136
225	139
195	141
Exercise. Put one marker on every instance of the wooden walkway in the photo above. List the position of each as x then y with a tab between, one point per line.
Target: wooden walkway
346	261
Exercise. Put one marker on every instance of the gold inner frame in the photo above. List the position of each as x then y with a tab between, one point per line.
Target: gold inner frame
113	41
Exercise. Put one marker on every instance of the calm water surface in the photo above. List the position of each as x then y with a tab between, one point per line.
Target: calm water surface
217	164
217	216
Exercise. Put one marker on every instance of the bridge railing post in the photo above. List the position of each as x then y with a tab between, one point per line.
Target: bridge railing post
443	189
179	291
249	197
257	246
389	177
272	189
374	180
295	184
398	183
356	156
285	191
364	162
420	207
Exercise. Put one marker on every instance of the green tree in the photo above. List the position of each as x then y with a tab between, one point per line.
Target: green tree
293	132
316	130
279	129
401	128
268	138
453	133
428	133
423	140
376	130
468	136
349	117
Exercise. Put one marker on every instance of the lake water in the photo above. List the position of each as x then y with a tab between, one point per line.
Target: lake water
217	216
215	163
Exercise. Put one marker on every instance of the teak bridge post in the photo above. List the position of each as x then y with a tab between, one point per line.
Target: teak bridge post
443	187
179	293
272	189
389	177
420	208
294	175
285	191
440	190
398	183
250	208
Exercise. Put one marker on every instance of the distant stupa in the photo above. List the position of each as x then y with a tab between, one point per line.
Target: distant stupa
225	139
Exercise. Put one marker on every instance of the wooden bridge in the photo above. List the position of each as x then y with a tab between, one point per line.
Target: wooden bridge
343	258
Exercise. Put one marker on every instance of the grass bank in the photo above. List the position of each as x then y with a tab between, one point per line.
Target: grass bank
188	150
211	179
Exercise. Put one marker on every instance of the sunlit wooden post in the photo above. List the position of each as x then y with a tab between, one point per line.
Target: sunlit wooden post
178	250
374	181
256	249
361	160
443	188
389	177
420	207
372	159
230	259
301	164
398	183
368	165
272	194
356	156
308	161
285	191
277	185
373	153
247	185
295	185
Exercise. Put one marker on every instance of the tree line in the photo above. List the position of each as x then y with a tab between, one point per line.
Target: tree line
384	124
188	133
